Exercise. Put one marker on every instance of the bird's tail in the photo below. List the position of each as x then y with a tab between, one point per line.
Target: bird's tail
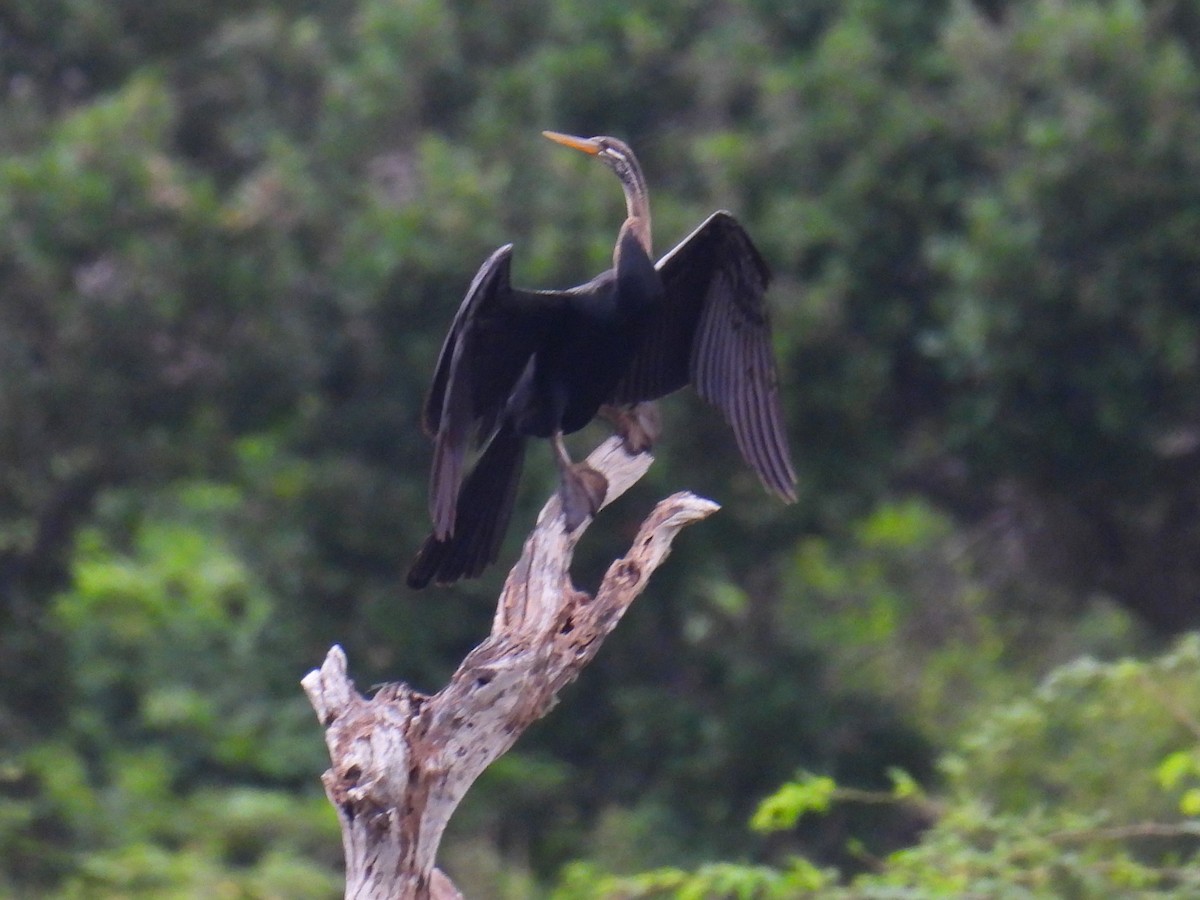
485	505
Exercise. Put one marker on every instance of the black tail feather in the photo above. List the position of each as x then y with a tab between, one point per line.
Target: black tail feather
484	507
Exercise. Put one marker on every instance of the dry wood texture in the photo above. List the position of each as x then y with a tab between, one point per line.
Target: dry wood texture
402	760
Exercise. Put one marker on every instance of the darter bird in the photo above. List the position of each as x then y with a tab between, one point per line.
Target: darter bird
519	363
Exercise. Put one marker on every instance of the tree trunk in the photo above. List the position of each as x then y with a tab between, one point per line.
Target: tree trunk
402	761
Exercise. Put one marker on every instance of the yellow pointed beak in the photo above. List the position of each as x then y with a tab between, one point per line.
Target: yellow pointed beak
587	145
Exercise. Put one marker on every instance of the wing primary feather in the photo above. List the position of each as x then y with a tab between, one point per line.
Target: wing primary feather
449	450
494	269
495	333
732	364
485	506
757	401
746	399
770	448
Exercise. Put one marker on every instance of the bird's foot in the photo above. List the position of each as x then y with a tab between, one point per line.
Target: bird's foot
639	425
583	492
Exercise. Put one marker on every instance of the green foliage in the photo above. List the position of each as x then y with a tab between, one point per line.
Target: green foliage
231	237
1141	714
1182	767
1001	828
738	882
817	794
783	809
1063	793
167	639
914	609
1064	215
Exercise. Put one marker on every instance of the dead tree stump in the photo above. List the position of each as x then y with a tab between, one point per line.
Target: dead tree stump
402	761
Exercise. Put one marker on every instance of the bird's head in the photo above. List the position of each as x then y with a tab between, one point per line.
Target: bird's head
612	152
617	156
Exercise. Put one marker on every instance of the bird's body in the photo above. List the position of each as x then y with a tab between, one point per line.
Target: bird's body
593	335
518	364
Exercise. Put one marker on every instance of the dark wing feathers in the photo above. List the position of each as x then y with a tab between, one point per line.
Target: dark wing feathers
484	508
494	269
714	332
494	333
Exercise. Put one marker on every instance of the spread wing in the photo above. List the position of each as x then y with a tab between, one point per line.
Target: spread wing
488	348
713	331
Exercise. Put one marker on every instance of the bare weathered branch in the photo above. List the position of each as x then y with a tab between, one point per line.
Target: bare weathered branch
402	761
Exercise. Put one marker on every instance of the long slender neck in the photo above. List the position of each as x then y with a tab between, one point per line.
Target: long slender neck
637	205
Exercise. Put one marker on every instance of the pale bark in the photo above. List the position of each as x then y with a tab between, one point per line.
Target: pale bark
402	761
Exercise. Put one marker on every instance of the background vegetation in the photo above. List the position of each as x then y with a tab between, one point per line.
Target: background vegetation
231	237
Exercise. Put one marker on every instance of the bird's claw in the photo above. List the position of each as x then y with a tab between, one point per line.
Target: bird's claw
583	492
638	426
